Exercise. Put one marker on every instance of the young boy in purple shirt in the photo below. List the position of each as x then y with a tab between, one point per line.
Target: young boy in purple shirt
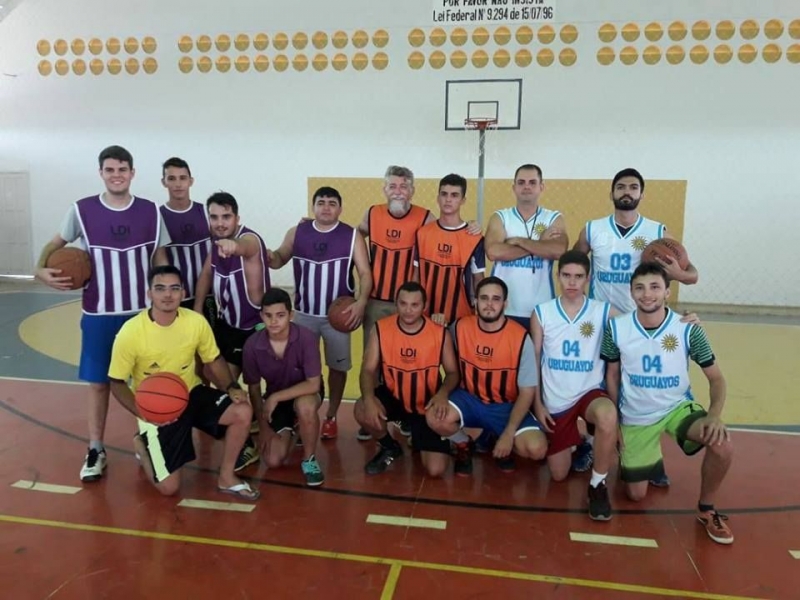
286	357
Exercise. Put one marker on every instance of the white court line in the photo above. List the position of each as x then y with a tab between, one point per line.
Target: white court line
772	431
38	486
43	380
211	505
406	522
616	540
795	554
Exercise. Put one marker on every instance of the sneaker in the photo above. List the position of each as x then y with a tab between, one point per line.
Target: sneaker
583	457
93	465
312	472
363	435
599	504
484	444
716	528
661	481
329	429
383	459
507	464
247	456
462	465
404	428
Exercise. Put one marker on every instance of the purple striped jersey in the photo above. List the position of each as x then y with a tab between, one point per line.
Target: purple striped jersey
323	262
191	241
121	244
230	285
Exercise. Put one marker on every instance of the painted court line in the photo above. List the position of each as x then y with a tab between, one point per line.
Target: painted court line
391	582
28	379
374	560
406	522
616	540
795	554
211	505
38	486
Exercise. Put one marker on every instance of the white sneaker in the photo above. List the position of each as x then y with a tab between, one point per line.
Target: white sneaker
93	465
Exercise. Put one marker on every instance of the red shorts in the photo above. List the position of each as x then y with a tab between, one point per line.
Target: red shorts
565	433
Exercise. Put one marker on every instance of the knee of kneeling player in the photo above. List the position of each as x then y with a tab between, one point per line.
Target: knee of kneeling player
535	449
168	487
636	493
242	412
723	450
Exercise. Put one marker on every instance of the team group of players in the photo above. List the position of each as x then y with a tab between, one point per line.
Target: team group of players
573	378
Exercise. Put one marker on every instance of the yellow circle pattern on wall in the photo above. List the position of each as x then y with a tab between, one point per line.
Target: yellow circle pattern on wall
261	63
131	45
771	53
545	57
501	58
523	57
185	64
698	54
653	31
241	42
203	43
319	40
723	54
793	54
480	59
60	47
43	48
630	32
568	34
299	40
567	57
416	59
281	42
360	61
300	62
340	61
96	66
524	35
242	63
223	42
281	63
319	62
62	67
676	31
380	60
459	36
149	44
223	64
150	65
77	46
546	34
747	53
794	29
749	29
628	55
185	43
45	68
437	37
360	39
605	56
725	29
437	59
502	35
480	36
458	59
380	38
261	41
204	64
114	66
773	29
340	39
701	30
79	66
416	37
651	55
675	55
607	32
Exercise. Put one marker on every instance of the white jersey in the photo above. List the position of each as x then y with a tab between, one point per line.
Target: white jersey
654	366
616	256
570	360
530	278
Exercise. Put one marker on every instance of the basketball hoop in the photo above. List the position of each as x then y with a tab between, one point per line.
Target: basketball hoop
480	123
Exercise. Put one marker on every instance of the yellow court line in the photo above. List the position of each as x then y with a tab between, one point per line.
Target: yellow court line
375	560
795	554
406	522
212	505
391	582
38	486
616	540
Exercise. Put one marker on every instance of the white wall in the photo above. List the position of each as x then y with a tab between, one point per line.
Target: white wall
730	130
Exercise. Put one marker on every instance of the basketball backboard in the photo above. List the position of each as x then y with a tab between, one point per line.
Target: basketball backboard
499	99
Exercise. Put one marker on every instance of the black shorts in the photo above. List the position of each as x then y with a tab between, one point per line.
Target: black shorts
231	341
283	417
170	447
209	309
423	437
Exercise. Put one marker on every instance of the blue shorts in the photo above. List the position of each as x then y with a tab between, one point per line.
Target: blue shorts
492	417
97	340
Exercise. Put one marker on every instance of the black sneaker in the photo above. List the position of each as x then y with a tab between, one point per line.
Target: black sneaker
404	428
247	456
462	465
363	435
599	504
383	459
507	464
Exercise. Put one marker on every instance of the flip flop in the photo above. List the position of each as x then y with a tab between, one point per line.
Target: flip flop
242	491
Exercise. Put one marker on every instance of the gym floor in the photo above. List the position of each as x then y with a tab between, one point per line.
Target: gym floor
399	535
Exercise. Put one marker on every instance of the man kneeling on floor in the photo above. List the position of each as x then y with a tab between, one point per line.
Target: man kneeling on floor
407	349
286	357
165	339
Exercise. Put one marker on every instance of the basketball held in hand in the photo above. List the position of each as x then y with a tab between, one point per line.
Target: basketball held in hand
72	262
664	248
162	398
336	316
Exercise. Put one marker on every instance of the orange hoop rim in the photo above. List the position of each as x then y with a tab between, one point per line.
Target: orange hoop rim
480	124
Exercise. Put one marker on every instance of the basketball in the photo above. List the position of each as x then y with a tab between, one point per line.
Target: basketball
335	317
161	398
666	247
73	262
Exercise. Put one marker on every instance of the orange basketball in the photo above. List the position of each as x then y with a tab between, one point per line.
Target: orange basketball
336	318
161	398
74	263
666	247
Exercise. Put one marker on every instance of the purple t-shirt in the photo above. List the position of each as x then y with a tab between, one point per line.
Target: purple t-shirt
301	359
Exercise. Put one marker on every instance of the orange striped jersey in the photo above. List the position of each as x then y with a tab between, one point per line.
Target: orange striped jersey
447	260
490	362
410	361
391	248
